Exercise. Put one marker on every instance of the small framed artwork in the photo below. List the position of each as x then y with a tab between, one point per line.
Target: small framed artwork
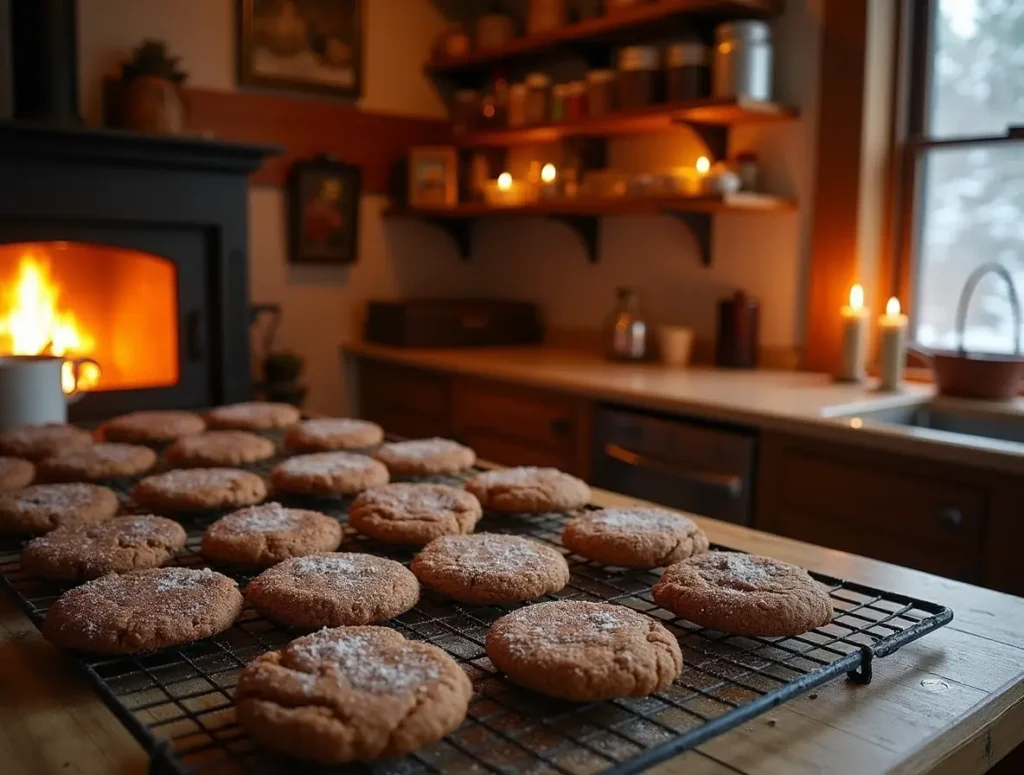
434	176
323	211
301	45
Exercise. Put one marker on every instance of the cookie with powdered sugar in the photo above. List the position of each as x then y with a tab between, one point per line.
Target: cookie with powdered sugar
219	448
584	651
15	473
744	594
423	457
634	538
152	427
34	442
489	568
352	694
530	490
328	473
270	533
118	545
330	590
252	416
404	513
197	489
42	507
97	462
143	611
327	434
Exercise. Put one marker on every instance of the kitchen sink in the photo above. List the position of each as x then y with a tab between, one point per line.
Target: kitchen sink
993	425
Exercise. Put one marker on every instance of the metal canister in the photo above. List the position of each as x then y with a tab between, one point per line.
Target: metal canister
743	60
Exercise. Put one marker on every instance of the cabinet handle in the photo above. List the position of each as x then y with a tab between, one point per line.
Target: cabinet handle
951	518
560	427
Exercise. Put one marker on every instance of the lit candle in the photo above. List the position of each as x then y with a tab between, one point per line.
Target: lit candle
853	355
505	181
703	165
548	180
892	345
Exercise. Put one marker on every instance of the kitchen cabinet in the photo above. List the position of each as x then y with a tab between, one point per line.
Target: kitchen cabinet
407	401
954	521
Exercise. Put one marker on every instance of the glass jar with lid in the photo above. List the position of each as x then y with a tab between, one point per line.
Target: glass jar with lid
638	77
538	98
600	92
687	71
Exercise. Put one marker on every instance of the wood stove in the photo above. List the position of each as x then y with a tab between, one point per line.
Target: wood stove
129	249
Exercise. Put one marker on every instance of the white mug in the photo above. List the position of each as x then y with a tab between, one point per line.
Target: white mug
31	391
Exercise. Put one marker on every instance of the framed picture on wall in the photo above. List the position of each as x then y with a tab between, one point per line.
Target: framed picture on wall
434	176
323	212
301	45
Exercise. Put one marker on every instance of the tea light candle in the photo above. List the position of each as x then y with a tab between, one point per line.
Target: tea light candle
548	182
853	355
892	345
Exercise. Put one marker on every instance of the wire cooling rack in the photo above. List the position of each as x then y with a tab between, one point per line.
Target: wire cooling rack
178	702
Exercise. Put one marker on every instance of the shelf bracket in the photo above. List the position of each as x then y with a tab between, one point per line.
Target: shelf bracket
714	137
461	232
588	227
700	226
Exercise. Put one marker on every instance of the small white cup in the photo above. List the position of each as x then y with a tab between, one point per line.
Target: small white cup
31	392
675	343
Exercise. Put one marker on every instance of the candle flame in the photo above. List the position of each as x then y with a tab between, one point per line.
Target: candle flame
703	165
505	181
857	296
892	307
548	173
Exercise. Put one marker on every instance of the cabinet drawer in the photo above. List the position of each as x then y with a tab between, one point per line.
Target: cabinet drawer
510	453
421	397
534	419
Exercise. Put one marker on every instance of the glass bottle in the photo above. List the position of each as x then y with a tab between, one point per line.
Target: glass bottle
628	332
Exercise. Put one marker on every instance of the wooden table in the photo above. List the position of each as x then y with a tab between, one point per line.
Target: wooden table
951	703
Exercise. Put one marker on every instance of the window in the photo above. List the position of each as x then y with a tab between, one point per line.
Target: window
961	187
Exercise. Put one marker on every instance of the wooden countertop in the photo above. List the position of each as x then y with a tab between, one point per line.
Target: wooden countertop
951	703
795	402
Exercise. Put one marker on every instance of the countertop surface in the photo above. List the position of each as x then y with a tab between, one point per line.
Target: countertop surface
951	703
799	402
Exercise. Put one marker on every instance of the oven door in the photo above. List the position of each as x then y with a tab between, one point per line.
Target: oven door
687	465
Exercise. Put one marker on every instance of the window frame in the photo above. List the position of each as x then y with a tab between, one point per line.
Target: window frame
912	143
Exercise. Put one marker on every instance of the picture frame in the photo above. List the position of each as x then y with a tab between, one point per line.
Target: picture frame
323	211
306	46
433	176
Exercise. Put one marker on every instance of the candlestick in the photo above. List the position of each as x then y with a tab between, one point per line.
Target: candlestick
853	356
892	346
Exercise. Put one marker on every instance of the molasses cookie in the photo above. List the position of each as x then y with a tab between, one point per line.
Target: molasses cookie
219	448
328	590
152	427
584	651
328	473
188	489
490	568
15	473
744	594
423	457
43	507
35	442
352	694
403	513
264	535
333	433
97	462
253	416
634	538
143	611
529	489
118	545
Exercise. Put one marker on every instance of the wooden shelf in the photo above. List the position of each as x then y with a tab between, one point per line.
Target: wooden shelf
606	27
583	215
657	118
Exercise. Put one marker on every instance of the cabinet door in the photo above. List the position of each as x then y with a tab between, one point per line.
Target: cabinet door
512	425
906	512
404	400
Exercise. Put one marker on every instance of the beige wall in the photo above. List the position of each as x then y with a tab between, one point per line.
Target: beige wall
533	259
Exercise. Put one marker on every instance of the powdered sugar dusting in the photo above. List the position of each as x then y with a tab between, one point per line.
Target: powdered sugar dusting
639	521
493	552
554	625
267	518
326	427
56	497
325	463
368	663
420	449
340	571
516	475
174	579
411	500
735	570
114	453
198	477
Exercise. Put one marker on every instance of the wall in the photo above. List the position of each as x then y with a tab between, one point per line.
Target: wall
321	304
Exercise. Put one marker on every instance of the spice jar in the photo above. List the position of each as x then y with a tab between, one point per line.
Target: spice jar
465	110
600	92
517	93
687	71
559	98
575	100
743	60
538	97
638	77
545	16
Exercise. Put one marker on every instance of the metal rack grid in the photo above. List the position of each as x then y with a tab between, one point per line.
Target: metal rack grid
178	702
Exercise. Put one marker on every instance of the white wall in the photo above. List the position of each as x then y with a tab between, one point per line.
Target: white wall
538	260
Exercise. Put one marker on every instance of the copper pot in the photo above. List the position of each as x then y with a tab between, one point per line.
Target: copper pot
979	375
